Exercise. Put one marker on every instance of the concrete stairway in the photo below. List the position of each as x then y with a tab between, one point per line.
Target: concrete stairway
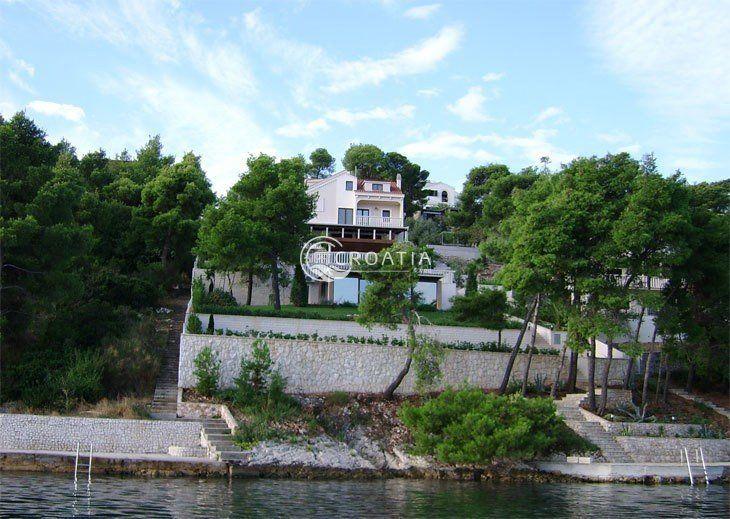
724	411
219	440
569	408
164	402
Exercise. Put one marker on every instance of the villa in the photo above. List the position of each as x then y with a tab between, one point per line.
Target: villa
367	215
439	197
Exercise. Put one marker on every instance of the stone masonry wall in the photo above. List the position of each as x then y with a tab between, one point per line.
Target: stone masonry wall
320	367
667	450
60	433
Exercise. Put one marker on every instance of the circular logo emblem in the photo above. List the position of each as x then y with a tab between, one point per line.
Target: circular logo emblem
321	263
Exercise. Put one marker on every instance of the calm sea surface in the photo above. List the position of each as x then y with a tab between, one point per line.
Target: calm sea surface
51	495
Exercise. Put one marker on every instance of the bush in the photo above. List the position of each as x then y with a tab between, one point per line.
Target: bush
219	297
469	426
198	293
299	288
194	325
207	371
471	280
133	360
211	325
81	381
483	308
256	372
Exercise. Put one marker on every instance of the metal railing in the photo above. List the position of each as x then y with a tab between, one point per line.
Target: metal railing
647	282
378	221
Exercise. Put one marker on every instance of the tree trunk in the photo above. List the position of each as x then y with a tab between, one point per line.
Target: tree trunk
647	376
604	382
388	394
516	349
166	249
572	371
275	282
499	338
667	372
558	370
658	378
531	347
690	377
592	376
630	367
249	293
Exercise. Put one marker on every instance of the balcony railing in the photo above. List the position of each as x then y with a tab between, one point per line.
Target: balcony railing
379	221
645	282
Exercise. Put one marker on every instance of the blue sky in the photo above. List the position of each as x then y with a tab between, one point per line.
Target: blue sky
451	84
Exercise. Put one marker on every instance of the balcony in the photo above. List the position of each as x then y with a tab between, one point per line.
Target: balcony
379	221
644	282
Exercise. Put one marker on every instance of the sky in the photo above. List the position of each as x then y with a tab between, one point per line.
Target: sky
451	85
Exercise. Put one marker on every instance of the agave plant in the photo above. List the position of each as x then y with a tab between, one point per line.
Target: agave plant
636	413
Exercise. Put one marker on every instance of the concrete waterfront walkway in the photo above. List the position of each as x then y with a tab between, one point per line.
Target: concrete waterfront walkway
634	472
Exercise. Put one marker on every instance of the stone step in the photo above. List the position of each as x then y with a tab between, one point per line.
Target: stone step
217	430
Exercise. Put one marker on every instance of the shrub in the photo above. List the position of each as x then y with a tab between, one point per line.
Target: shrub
483	308
207	371
471	280
81	381
198	293
469	426
194	325
337	398
256	372
132	361
220	297
211	325
299	288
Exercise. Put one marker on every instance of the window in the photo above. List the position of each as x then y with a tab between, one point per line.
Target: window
431	192
344	216
557	338
377	187
363	212
444	197
386	213
348	185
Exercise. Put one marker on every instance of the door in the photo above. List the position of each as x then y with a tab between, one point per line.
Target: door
344	216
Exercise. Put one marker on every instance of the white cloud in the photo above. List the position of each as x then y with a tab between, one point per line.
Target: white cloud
490	77
451	145
310	129
428	92
447	145
350	117
470	108
70	112
616	137
190	117
19	70
162	31
674	52
693	163
551	112
421	12
420	58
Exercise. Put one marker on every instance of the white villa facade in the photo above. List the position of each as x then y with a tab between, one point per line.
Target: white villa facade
366	215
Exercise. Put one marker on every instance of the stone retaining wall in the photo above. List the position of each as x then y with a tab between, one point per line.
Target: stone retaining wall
667	450
319	367
665	430
60	433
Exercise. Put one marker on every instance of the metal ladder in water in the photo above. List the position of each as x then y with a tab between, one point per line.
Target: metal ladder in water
83	465
699	456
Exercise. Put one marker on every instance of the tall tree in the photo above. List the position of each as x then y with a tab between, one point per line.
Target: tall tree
390	299
413	180
173	201
365	159
274	196
321	164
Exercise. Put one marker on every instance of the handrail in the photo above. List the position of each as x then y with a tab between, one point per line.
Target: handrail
379	221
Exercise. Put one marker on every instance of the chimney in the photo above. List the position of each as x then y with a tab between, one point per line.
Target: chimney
397	180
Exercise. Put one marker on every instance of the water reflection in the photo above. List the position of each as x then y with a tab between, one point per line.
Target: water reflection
50	495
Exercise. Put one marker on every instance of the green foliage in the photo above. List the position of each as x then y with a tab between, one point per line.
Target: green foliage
299	289
82	379
256	372
194	324
469	426
207	371
424	231
321	164
82	244
471	287
366	159
337	398
427	358
486	308
211	325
